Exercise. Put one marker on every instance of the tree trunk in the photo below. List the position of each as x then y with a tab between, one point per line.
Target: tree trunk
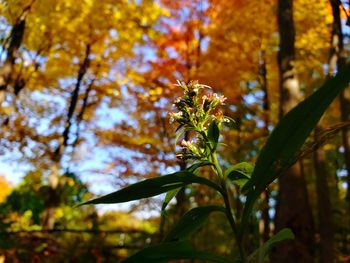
293	209
345	116
52	198
325	222
16	37
265	196
264	225
336	63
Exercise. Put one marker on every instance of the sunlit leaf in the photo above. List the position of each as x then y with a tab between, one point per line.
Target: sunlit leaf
239	173
169	196
152	187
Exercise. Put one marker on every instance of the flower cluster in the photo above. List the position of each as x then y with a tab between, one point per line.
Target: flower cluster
196	110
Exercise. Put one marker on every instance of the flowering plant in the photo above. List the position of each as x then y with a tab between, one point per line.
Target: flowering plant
198	113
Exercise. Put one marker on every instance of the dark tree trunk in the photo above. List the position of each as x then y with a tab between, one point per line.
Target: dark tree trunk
337	63
293	209
52	199
15	41
265	196
345	116
325	222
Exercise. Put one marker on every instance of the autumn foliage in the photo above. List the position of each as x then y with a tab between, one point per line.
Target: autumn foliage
85	91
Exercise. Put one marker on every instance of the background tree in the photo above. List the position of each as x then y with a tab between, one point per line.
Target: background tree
292	185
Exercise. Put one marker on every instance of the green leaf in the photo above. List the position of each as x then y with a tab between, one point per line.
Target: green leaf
172	251
239	173
191	222
213	135
195	166
262	251
169	196
152	187
288	137
172	193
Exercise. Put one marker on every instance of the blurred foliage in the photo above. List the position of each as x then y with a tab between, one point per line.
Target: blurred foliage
27	200
5	188
79	234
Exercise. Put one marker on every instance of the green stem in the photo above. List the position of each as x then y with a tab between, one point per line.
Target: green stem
229	214
215	161
233	225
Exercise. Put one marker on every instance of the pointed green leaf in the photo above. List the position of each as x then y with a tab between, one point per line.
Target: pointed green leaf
213	135
152	187
173	251
172	193
240	173
288	137
262	251
195	166
169	196
191	222
292	131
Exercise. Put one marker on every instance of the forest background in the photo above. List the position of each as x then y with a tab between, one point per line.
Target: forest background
85	88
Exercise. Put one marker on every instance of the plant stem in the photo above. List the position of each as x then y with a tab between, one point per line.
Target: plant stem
229	214
214	159
233	225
